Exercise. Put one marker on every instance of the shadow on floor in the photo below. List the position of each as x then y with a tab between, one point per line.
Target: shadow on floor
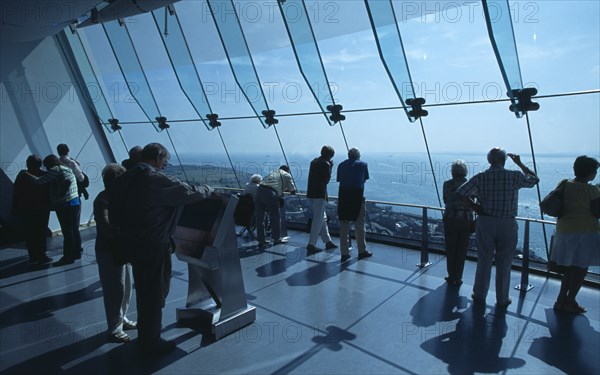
45	307
571	346
474	345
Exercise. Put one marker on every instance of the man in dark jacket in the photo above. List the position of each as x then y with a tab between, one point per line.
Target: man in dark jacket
319	175
145	204
352	174
32	203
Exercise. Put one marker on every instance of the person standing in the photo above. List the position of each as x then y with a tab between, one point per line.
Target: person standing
269	199
65	201
319	175
32	203
458	221
576	243
497	192
116	279
144	206
352	174
135	156
63	154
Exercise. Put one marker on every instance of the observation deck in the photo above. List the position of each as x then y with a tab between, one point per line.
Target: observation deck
379	315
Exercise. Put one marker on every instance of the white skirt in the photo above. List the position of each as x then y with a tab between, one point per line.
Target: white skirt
576	249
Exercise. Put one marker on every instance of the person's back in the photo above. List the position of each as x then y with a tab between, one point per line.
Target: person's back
496	190
319	175
150	203
576	214
352	174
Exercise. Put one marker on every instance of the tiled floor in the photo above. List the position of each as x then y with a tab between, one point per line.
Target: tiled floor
380	315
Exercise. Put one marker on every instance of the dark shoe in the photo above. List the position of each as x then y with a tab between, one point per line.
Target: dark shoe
574	307
365	254
118	338
45	259
264	244
160	348
504	303
312	250
129	325
63	261
477	299
280	241
330	246
457	282
344	258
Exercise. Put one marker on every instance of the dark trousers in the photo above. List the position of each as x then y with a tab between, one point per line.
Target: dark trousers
456	238
67	218
267	201
78	222
152	276
36	226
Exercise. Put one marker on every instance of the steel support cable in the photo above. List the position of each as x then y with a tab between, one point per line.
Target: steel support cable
177	155
384	61
312	32
149	91
235	76
255	74
293	179
537	185
185	43
375	109
299	63
297	57
229	157
437	190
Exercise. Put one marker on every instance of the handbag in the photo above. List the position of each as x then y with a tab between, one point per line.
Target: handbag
551	205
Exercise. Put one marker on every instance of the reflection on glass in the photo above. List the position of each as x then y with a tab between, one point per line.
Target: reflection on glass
391	49
126	56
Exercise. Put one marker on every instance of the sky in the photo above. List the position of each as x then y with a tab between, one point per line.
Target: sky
449	55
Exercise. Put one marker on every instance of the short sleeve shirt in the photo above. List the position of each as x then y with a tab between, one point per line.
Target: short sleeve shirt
497	190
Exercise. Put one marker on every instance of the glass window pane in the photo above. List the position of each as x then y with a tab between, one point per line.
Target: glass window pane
162	81
125	108
558	53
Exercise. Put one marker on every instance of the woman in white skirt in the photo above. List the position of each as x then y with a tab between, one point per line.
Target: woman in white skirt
577	238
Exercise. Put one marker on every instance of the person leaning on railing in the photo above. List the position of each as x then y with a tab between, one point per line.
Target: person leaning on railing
576	244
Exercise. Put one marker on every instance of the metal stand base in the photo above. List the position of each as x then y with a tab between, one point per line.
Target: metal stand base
524	288
424	265
210	320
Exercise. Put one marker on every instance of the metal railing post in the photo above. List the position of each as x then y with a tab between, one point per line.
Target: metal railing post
424	241
524	286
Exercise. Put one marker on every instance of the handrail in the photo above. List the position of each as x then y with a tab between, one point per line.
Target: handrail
524	286
410	205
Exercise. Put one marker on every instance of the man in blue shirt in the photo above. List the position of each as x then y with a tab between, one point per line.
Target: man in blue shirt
497	192
352	174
